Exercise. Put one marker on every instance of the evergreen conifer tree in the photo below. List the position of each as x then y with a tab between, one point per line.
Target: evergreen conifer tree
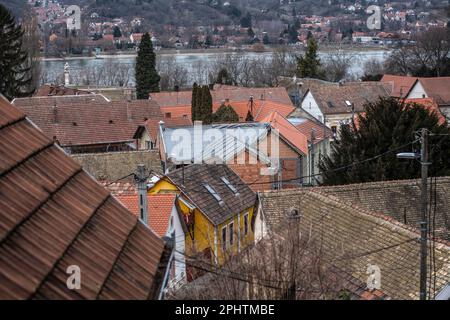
15	77
386	126
147	78
308	65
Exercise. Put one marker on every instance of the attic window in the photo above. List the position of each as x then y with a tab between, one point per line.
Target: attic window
330	104
214	193
230	186
111	121
168	115
74	124
348	103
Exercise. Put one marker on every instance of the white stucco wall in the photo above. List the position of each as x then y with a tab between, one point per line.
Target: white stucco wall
310	105
417	92
179	258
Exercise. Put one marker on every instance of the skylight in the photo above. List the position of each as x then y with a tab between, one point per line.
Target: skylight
213	193
229	185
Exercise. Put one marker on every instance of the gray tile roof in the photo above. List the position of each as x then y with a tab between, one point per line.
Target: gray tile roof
354	237
197	176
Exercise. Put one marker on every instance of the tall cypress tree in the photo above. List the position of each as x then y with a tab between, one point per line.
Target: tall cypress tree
206	106
147	78
194	102
15	77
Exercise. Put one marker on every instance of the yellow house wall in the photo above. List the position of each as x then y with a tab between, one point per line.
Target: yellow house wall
204	229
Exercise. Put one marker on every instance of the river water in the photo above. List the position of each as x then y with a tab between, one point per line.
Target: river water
53	69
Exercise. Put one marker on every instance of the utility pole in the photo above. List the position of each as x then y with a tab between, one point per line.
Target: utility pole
141	180
423	222
423	206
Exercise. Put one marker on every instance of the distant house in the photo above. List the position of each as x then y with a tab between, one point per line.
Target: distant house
319	145
60	224
399	86
437	88
89	123
215	209
147	133
136	38
354	229
336	105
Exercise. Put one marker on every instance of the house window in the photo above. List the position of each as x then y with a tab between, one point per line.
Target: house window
224	238
150	145
231	230
245	224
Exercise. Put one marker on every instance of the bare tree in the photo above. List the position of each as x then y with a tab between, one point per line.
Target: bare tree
285	265
172	74
428	56
337	63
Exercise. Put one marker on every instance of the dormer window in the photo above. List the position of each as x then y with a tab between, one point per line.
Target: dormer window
230	186
214	194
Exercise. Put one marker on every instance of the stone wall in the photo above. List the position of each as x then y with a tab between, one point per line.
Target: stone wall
111	166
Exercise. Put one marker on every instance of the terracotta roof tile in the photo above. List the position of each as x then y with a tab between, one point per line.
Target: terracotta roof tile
159	209
288	131
437	88
431	105
55	215
400	86
85	120
306	126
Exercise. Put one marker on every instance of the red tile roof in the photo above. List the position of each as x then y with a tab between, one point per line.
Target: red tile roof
261	109
431	105
159	209
288	131
400	86
54	215
437	88
306	126
222	93
85	120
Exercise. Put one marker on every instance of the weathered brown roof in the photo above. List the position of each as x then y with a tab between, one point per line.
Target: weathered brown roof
152	126
398	199
196	176
400	86
306	126
86	120
437	88
353	237
54	215
332	98
57	90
